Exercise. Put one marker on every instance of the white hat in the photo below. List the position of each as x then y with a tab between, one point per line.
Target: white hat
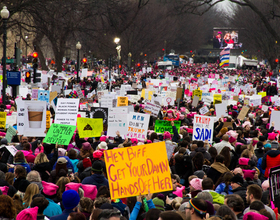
102	145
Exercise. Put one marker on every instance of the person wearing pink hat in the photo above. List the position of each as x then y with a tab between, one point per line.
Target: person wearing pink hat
28	214
195	186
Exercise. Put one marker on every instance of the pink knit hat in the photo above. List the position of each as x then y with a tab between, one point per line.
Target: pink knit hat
97	154
4	190
231	139
74	186
28	214
166	135
254	215
49	189
179	191
134	141
271	136
102	138
243	161
86	146
196	183
90	191
249	174
149	142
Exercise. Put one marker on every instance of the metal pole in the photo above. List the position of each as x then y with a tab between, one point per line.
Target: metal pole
26	51
119	62
78	66
4	60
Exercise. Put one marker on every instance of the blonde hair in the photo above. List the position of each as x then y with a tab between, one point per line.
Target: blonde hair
41	158
31	190
176	203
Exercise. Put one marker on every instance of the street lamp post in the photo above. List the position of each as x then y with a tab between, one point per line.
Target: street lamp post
5	15
118	48
78	47
129	62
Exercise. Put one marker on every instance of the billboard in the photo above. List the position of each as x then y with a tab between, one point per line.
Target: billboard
226	38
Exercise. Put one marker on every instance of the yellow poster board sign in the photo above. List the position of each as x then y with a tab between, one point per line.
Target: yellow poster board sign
122	101
89	127
143	93
3	116
133	170
102	79
150	95
217	99
48	119
198	93
263	94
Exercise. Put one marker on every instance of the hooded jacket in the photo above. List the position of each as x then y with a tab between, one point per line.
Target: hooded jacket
216	170
270	159
96	179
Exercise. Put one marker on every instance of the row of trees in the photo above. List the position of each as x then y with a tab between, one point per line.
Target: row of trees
144	26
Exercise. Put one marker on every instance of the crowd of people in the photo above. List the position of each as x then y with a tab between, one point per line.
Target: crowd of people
226	179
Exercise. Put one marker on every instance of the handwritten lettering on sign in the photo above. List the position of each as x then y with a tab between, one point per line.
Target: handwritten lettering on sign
203	128
133	170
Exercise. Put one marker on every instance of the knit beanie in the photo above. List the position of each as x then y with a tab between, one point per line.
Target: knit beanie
28	214
134	141
243	161
199	173
231	139
70	199
4	190
159	203
90	191
49	189
237	179
265	185
74	186
86	146
224	130
179	191
166	135
97	154
254	215
86	163
196	183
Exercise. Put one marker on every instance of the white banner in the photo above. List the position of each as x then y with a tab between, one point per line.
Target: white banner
117	121
66	111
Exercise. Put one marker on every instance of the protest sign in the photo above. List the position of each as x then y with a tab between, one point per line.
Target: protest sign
66	111
243	113
203	128
53	95
31	118
137	125
100	113
146	168
198	93
275	117
170	146
217	99
203	110
48	119
221	110
263	94
179	93
256	100
107	101
227	124
60	134
195	101
122	101
10	133
11	119
44	95
162	126
235	98
100	94
152	109
117	121
89	127
3	116
265	108
168	101
34	95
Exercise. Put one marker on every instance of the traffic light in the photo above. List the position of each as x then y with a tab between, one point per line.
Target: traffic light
120	66
138	64
276	60
35	66
84	62
191	51
27	77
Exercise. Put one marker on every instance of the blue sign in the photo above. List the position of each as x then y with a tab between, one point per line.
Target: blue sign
13	78
44	95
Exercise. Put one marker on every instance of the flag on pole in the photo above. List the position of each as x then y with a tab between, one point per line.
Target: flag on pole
224	57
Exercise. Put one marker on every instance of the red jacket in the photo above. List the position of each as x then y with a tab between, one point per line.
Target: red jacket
270	159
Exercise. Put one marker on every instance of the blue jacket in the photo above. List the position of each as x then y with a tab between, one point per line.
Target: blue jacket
135	211
96	179
75	163
62	216
69	163
26	165
221	189
52	209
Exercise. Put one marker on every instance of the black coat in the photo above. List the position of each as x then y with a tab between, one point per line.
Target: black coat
21	184
242	192
213	174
